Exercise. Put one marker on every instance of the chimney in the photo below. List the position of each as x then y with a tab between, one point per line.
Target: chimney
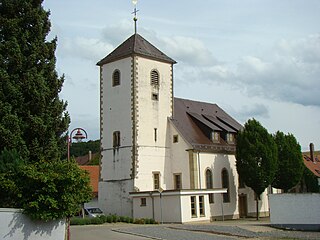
312	152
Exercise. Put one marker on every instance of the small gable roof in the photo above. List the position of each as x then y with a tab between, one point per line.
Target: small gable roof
136	44
195	119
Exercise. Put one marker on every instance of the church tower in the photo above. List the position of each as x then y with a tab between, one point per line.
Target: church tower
136	100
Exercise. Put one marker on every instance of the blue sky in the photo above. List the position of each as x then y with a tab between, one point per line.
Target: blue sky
255	59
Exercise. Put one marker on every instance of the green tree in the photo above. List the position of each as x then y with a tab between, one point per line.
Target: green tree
257	157
290	162
32	117
46	190
309	181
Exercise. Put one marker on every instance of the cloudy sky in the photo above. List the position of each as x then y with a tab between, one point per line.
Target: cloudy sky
255	59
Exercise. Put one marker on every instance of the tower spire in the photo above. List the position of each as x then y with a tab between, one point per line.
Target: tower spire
135	19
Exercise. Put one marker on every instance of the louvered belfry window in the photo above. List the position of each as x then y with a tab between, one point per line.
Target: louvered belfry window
116	78
154	78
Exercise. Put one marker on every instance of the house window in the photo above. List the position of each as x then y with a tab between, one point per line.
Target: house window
177	181
155	96
175	138
230	137
215	136
193	206
209	184
225	184
116	78
201	206
154	76
156	181
143	202
116	139
155	135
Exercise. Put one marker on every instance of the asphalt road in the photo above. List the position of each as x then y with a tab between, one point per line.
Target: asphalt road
234	229
101	232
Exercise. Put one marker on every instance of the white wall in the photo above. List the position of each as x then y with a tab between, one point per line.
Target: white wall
300	211
116	116
153	155
15	225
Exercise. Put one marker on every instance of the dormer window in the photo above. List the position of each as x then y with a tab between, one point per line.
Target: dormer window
116	78
230	138
154	78
215	136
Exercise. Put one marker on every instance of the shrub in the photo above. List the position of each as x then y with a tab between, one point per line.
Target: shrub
47	190
109	219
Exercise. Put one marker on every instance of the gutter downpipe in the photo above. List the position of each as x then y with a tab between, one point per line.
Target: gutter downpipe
199	170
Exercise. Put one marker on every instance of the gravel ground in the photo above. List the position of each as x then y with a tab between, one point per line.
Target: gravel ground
214	232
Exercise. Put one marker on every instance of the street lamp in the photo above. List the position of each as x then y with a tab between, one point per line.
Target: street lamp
160	190
78	137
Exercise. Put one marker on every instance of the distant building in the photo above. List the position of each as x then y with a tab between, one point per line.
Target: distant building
163	157
94	182
311	160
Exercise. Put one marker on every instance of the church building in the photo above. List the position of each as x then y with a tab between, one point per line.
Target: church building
163	157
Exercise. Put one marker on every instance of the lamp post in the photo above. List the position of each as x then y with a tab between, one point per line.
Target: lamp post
78	136
160	190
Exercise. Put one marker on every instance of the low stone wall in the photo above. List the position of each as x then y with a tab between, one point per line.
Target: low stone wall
15	225
295	211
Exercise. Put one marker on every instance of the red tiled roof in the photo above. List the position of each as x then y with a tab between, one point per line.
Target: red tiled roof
314	166
94	172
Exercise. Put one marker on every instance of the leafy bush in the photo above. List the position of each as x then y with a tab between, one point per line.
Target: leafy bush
110	219
46	190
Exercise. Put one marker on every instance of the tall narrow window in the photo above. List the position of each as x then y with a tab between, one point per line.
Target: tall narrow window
116	139
116	78
209	184
155	135
225	184
156	181
154	75
177	181
201	206
193	206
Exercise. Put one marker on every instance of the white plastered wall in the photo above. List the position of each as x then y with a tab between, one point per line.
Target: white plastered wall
153	155
116	164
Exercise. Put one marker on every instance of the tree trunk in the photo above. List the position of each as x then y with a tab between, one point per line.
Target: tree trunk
257	208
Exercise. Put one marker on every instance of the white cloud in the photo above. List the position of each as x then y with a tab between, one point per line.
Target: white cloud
291	74
91	49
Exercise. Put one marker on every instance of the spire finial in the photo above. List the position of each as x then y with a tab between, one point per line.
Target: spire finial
135	19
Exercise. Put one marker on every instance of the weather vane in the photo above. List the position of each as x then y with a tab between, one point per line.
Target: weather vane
135	15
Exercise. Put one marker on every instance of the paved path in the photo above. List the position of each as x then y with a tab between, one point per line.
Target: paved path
233	229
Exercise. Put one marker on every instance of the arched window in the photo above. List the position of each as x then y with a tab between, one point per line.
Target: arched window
209	184
154	77
225	184
116	78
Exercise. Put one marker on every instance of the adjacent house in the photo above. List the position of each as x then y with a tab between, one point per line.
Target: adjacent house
94	182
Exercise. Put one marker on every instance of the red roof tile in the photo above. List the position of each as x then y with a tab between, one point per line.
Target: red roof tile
314	166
